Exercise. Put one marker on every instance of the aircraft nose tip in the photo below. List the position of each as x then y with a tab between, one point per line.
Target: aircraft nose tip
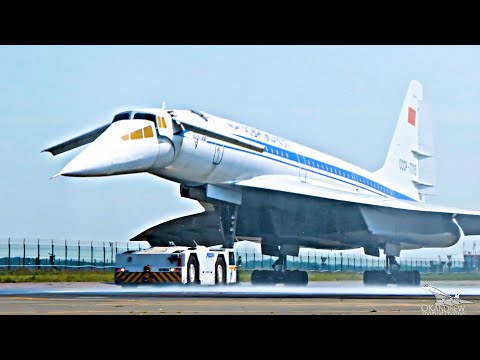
56	175
75	167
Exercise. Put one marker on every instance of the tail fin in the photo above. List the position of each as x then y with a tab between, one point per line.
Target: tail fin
409	164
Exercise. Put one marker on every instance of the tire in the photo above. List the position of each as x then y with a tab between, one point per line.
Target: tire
407	278
416	278
375	277
367	277
304	278
263	277
220	271
403	278
295	277
192	271
288	279
255	277
276	277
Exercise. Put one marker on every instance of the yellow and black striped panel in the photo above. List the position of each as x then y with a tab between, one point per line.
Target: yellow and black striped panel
152	277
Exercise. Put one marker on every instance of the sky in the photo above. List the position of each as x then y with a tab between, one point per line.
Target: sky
342	100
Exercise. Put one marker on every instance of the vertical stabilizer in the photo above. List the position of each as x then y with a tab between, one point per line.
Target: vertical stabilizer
409	162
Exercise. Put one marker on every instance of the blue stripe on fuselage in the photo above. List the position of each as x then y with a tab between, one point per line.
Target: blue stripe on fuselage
303	161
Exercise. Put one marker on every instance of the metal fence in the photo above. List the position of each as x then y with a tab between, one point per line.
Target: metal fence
65	254
318	261
41	253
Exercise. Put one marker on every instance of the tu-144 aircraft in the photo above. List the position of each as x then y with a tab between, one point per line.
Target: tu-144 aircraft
259	187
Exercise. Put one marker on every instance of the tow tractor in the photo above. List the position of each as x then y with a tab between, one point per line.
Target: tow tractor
176	265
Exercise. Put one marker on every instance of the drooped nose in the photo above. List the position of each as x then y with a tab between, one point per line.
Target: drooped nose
125	147
77	166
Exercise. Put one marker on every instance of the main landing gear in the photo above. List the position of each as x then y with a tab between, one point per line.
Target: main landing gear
228	218
279	275
391	275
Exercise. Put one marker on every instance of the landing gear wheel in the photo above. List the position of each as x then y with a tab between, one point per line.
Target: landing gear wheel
402	278
375	277
295	277
407	278
192	271
304	278
256	277
220	273
276	277
416	278
289	277
265	277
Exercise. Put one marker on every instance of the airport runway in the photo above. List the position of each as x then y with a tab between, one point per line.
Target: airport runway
319	298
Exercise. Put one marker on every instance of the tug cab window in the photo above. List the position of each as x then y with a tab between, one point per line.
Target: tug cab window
144	116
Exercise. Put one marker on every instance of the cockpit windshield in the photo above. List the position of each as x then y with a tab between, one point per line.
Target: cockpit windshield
128	115
144	116
122	116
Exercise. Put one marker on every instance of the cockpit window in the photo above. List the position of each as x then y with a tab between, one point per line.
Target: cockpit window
121	116
144	116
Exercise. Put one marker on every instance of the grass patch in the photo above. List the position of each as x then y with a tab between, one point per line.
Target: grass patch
451	276
51	275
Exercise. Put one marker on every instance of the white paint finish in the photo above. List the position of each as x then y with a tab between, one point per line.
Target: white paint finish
405	139
109	154
158	260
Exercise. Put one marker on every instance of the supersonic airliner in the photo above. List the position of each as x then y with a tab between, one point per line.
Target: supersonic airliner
259	187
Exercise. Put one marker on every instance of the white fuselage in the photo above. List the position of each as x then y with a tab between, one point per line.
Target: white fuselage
201	159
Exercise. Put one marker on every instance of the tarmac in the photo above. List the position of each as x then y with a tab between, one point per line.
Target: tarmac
318	298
